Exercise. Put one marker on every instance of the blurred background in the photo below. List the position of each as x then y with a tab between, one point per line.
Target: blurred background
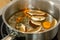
5	2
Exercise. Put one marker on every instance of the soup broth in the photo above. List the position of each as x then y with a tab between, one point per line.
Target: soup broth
32	21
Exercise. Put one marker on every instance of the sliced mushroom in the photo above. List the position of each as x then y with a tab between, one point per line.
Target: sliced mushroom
28	29
35	22
36	12
38	18
35	30
33	25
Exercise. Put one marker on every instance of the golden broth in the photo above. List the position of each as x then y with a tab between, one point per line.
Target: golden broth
32	21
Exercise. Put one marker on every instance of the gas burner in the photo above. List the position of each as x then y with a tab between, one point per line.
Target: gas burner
5	31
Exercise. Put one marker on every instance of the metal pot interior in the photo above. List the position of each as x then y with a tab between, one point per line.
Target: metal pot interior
47	6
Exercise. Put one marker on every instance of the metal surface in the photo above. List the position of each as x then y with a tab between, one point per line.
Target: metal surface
36	4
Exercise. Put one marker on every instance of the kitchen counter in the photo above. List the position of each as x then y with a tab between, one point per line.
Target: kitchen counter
3	3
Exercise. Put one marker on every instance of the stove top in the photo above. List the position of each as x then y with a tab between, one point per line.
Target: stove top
4	32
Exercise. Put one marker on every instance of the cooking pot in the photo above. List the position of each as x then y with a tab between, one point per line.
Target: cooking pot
17	5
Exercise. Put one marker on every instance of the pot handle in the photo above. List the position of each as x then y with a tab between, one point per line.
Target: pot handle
10	36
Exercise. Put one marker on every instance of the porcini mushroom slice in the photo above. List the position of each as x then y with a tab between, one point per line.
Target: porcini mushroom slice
35	30
28	29
35	22
38	18
36	12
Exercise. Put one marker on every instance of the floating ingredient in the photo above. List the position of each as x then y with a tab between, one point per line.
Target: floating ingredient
35	29
36	12
38	18
46	24
18	19
36	23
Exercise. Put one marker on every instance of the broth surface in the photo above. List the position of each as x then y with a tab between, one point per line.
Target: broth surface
32	21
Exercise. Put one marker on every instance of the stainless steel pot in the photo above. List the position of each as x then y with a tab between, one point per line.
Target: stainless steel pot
37	4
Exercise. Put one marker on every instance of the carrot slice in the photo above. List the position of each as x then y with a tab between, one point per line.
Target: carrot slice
46	24
18	19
